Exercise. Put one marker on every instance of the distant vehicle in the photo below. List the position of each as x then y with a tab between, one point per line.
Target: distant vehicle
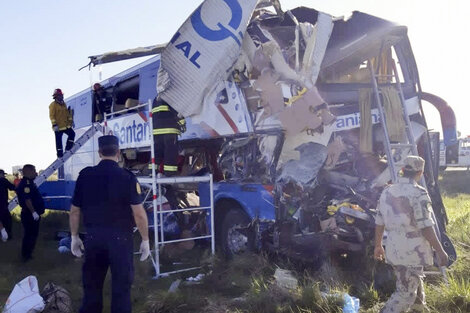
455	155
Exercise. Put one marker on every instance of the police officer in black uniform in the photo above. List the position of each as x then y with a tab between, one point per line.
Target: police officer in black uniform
5	216
111	202
167	126
32	206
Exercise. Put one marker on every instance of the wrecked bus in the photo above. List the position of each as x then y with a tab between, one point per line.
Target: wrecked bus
298	164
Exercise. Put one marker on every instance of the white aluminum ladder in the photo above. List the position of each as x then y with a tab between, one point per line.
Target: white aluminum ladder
389	147
96	127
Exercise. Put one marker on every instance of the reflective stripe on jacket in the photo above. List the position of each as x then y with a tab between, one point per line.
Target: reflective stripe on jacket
60	115
165	119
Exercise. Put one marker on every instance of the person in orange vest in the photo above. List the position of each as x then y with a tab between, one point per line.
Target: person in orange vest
61	120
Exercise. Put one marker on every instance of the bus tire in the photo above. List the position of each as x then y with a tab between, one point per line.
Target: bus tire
232	241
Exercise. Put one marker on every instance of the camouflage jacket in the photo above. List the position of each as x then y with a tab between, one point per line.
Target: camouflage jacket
405	208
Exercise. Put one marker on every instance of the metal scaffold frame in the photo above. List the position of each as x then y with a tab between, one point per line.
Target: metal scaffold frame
155	183
159	239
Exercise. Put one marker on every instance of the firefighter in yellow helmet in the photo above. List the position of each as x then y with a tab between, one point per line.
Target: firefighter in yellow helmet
61	120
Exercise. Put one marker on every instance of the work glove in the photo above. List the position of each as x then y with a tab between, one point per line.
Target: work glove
77	246
144	250
183	128
35	216
55	128
182	124
4	234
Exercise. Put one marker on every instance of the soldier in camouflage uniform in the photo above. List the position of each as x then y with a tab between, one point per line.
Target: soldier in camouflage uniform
404	210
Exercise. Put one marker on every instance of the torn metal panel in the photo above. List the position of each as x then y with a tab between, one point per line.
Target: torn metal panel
317	40
272	98
359	38
126	54
224	113
202	50
302	114
289	151
304	170
334	151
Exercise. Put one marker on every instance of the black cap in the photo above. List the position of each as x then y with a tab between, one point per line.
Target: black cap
108	140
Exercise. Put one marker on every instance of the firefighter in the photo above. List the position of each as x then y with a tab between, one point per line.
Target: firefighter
167	125
61	120
102	102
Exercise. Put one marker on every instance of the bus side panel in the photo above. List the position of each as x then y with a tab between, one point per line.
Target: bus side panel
148	82
87	155
254	199
81	107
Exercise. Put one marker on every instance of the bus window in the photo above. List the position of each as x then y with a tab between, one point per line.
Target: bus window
126	94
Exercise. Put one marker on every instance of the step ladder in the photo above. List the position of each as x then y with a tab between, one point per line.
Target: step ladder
389	147
59	162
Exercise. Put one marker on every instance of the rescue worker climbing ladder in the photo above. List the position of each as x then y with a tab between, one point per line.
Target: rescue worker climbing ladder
61	120
166	128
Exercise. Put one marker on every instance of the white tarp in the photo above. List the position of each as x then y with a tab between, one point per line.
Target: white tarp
203	49
25	297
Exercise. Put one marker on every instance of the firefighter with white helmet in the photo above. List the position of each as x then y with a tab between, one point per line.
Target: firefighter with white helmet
61	120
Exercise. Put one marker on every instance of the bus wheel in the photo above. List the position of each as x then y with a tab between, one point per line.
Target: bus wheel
235	237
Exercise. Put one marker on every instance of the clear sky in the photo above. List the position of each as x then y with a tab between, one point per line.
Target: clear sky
43	43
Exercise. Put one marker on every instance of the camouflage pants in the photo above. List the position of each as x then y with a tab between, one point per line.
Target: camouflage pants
409	293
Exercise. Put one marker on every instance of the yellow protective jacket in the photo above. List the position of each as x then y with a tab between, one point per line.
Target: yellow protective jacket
60	115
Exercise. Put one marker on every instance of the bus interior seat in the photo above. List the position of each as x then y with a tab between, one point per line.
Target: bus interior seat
130	103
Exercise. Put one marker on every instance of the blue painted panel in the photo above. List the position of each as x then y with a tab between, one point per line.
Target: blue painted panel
57	194
148	82
254	199
450	135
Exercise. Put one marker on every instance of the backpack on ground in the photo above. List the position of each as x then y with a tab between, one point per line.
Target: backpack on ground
57	299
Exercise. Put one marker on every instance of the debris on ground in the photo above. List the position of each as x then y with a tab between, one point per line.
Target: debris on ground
174	286
285	279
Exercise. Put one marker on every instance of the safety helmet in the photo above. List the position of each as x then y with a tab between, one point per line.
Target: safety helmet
57	92
97	86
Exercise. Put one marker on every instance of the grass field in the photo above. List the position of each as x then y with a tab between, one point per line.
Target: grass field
245	284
